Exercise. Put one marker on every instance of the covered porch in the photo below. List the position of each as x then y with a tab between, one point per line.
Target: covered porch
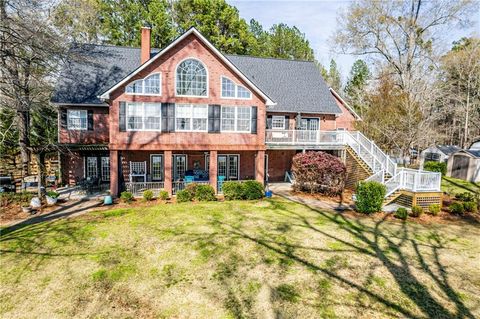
174	170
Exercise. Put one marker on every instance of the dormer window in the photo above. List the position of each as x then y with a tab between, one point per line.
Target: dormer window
192	79
231	90
151	85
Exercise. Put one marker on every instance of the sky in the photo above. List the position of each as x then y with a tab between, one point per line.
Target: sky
317	19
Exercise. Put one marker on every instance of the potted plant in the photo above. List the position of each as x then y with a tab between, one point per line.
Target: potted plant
52	198
25	206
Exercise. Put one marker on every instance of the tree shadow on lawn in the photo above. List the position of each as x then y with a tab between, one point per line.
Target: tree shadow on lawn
372	237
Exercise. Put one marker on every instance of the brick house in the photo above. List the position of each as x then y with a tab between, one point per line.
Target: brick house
148	118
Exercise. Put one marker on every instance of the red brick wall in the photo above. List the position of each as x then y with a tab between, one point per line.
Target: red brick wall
72	166
99	135
346	119
278	163
327	121
189	47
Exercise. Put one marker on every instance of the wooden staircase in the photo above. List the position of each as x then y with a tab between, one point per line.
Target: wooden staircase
393	196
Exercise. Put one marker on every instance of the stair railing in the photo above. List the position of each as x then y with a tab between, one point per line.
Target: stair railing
394	183
364	153
377	177
389	165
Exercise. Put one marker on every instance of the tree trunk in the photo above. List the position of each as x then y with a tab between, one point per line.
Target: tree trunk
24	141
40	158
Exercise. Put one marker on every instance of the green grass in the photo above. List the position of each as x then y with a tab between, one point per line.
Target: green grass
250	259
454	186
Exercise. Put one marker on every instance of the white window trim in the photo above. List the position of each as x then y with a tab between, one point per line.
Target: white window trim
143	86
143	117
191	118
238	168
236	90
163	167
278	117
313	117
235	119
77	128
208	79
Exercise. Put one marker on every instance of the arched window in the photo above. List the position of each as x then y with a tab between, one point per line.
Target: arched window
232	90
151	85
191	78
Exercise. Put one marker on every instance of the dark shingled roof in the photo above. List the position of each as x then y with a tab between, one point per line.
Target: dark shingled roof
475	153
448	149
296	86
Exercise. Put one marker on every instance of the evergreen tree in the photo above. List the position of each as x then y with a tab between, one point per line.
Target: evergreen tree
334	79
289	43
356	85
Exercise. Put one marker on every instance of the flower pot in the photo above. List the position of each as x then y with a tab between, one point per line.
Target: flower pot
26	209
268	194
51	200
108	200
35	203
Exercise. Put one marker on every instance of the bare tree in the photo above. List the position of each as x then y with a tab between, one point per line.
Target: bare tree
401	38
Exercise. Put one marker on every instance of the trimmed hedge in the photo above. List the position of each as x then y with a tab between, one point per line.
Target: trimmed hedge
243	190
370	196
457	208
319	172
401	213
126	197
148	195
417	211
434	209
183	196
163	195
440	167
205	193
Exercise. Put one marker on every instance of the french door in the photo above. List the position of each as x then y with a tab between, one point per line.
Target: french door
179	167
310	124
228	166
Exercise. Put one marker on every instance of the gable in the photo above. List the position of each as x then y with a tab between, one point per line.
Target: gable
190	44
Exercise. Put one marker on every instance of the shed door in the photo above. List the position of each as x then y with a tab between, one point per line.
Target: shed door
460	166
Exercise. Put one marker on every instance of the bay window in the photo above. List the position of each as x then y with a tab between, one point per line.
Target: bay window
144	116
236	119
191	117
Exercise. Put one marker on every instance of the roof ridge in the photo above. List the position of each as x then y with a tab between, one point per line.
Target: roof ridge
267	58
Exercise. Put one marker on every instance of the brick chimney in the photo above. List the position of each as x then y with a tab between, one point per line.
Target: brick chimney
145	45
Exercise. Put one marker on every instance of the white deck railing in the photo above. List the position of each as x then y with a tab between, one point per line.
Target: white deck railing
415	181
137	188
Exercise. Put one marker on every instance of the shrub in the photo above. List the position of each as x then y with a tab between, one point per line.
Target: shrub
470	207
53	194
465	197
126	197
232	190
253	190
417	211
440	167
434	209
401	213
163	195
318	172
192	189
370	196
184	196
457	208
205	193
148	195
22	198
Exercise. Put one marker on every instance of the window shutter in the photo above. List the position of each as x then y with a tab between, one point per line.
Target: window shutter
63	118
211	118
164	117
122	117
287	122
217	111
171	116
269	122
90	120
254	120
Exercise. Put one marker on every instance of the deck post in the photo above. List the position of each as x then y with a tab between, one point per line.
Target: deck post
212	170
114	176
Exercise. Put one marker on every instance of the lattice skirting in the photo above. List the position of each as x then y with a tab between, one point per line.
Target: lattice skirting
421	199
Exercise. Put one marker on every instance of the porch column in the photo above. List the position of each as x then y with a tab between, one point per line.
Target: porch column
212	172
114	178
260	166
168	172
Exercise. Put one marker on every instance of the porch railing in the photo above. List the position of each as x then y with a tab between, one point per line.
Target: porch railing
303	137
415	181
137	188
180	185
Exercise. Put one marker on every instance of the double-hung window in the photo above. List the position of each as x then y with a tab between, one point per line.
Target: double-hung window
191	117
232	90
151	85
144	116
77	119
278	122
236	119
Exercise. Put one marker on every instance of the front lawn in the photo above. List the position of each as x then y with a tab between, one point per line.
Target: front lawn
454	186
258	259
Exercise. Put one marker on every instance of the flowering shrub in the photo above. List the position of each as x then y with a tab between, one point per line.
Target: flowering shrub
318	172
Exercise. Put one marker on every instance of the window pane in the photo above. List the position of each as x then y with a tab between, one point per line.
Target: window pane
278	122
191	78
134	116
135	87
243	92
157	167
228	88
228	118
243	119
91	167
183	116
153	116
152	84
105	168
77	119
